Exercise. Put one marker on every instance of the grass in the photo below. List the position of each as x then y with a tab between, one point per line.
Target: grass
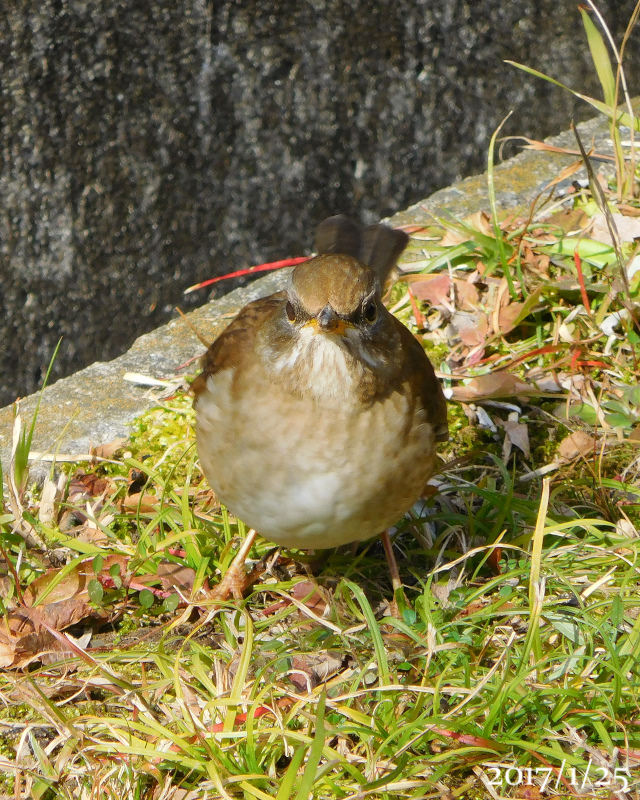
513	670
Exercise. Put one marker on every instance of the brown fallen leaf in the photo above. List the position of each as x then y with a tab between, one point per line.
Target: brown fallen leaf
89	532
52	493
536	262
32	631
527	792
29	634
481	221
86	485
467	297
434	289
628	228
315	668
45	648
176	576
146	504
58	615
109	449
518	434
578	443
472	328
73	584
495	384
569	220
507	317
308	593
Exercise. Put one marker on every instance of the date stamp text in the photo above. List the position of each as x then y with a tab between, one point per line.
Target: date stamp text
581	780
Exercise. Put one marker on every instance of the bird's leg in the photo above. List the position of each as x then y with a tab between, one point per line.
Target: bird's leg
234	581
398	592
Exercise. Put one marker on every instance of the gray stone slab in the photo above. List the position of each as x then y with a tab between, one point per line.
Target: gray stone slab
95	405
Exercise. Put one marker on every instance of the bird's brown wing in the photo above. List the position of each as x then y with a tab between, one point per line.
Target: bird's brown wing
237	339
418	371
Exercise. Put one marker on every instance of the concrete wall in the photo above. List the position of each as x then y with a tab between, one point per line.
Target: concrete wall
147	145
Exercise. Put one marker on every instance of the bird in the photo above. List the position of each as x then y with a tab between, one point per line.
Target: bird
318	411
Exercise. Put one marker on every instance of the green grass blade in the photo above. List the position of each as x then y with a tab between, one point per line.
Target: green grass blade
44	384
374	629
494	212
285	792
315	753
601	60
604	108
240	679
602	63
536	586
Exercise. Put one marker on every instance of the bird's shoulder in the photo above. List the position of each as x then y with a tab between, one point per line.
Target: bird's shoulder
424	385
237	339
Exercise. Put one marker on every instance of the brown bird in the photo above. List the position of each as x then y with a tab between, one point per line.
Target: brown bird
317	411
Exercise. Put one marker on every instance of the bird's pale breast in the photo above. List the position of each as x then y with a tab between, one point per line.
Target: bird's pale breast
306	474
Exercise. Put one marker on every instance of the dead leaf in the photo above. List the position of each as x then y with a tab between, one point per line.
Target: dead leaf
7	650
73	584
454	237
177	577
6	586
109	449
52	492
44	647
90	533
495	384
86	485
518	434
467	297
578	443
145	504
29	634
471	328
434	289
481	221
628	228
54	601
569	220
625	527
307	592
627	210
508	316
311	669
527	792
441	592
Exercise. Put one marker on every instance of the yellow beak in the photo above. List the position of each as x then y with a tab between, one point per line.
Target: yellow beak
337	326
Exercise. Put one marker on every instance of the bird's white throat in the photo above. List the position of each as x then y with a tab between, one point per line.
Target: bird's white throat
322	365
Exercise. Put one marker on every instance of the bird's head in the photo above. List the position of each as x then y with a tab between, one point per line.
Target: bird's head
334	295
332	333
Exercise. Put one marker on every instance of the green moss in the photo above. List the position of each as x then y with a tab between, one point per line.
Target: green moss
165	436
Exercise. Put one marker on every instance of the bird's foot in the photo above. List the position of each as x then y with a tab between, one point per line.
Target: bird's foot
235	580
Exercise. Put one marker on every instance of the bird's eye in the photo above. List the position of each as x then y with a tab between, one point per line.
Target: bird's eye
371	311
291	312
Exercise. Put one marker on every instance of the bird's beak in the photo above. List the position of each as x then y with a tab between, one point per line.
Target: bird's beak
327	321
